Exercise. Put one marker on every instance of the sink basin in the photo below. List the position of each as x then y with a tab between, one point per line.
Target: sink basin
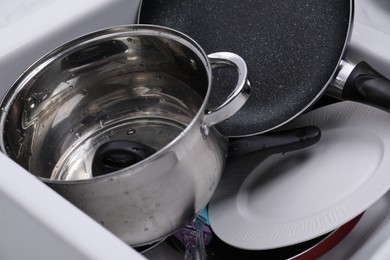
29	29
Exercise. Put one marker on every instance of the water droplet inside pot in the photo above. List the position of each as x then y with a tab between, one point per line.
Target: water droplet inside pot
44	97
78	135
193	64
84	92
130	131
31	102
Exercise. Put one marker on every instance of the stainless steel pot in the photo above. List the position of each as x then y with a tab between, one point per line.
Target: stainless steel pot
139	83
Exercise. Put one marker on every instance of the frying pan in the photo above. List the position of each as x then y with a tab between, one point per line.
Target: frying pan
294	51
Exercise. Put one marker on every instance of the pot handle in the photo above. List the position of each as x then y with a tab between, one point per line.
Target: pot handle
274	142
239	95
361	83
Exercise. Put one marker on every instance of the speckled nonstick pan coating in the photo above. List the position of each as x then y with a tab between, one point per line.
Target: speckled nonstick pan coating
291	47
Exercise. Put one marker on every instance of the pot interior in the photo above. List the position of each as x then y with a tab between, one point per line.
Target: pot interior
142	87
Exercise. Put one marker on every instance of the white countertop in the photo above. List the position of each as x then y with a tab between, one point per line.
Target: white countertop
370	39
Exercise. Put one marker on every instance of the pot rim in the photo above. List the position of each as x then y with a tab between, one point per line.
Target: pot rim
84	41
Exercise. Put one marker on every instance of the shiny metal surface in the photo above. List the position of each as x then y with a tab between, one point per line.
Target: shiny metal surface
238	96
141	83
336	87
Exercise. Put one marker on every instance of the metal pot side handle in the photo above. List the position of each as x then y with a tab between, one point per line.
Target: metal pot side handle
239	95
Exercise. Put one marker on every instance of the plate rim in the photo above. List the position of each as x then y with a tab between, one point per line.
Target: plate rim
329	219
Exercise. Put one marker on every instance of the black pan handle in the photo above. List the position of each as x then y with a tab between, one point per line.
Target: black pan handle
368	86
276	142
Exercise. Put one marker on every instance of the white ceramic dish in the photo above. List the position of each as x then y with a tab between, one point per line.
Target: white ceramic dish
280	200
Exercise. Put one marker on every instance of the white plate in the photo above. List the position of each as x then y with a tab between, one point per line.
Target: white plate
280	200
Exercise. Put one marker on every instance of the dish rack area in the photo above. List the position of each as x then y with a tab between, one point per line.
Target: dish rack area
37	223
